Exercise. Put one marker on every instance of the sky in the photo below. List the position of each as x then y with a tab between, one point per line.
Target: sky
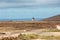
16	9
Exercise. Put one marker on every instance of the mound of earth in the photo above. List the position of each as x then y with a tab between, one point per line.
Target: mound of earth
54	18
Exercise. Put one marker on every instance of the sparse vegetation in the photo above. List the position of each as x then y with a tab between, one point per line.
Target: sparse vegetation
22	37
30	37
26	25
52	30
36	36
9	38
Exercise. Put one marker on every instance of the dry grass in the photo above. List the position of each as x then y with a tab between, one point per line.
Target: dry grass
9	38
27	25
30	37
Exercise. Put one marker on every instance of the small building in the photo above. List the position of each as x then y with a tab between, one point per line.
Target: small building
33	19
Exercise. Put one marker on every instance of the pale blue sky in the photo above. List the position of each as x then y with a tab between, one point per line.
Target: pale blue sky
15	9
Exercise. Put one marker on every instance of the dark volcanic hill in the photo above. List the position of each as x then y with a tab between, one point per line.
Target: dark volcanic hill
54	18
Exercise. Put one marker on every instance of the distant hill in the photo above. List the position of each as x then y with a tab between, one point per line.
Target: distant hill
54	18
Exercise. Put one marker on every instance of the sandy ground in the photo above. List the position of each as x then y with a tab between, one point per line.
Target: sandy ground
39	31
